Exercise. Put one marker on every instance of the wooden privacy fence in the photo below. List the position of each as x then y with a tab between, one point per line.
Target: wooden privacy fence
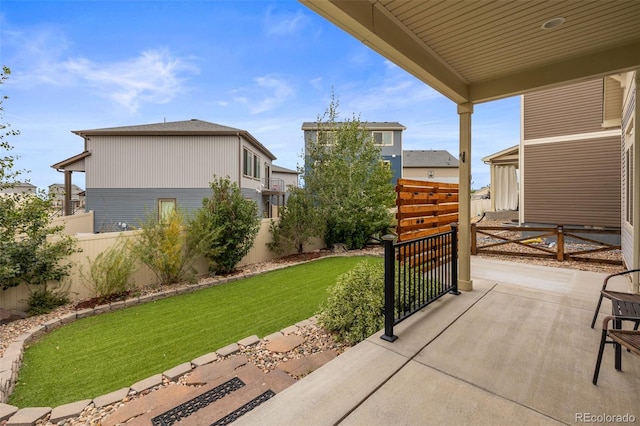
421	266
557	242
425	208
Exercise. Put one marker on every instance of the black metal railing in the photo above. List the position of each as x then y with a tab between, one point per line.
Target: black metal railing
416	273
275	184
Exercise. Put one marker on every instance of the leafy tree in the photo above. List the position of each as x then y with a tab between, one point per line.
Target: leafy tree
31	250
164	248
347	181
298	223
225	227
7	174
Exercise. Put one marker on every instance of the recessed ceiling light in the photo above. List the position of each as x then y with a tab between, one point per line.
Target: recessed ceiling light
552	23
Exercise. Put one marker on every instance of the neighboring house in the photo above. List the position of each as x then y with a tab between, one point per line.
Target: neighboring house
431	165
572	142
387	135
134	171
504	187
20	188
281	180
570	155
58	192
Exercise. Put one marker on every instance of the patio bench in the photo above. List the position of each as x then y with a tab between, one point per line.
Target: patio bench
630	339
625	297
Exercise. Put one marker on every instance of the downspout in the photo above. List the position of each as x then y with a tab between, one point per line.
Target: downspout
241	160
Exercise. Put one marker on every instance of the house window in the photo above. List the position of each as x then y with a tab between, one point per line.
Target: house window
166	206
247	162
382	138
256	166
250	164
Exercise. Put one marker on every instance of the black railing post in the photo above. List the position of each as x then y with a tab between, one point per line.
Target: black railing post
454	259
389	284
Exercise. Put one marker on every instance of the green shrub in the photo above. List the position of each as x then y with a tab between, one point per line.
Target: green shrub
299	222
162	246
355	307
110	272
43	300
225	227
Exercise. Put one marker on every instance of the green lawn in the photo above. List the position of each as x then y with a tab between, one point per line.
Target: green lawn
100	354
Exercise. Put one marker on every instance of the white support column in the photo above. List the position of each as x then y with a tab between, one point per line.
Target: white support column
493	188
464	228
636	187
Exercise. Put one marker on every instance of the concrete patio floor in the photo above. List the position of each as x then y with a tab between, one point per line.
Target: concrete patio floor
518	349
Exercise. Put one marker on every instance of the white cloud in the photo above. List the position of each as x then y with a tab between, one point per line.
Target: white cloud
267	93
41	57
283	24
152	77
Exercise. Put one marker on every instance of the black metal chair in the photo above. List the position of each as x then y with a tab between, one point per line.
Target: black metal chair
630	339
617	295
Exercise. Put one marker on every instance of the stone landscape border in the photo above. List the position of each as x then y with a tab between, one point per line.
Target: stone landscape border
11	360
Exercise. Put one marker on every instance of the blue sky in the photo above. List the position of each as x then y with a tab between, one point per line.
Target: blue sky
265	67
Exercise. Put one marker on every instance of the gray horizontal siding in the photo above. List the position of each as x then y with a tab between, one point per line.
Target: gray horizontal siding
132	205
568	110
573	183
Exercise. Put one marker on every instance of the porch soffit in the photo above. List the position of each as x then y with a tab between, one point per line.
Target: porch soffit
477	51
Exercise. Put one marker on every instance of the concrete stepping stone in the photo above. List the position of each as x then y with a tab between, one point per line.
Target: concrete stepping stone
285	343
211	372
147	383
173	400
28	416
303	366
111	398
66	411
255	382
249	341
7	411
177	371
205	359
146	403
289	330
273	336
229	350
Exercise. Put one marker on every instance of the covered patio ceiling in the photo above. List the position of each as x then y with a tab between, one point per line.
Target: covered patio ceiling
477	51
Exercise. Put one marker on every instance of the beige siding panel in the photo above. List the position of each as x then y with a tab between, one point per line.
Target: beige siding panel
160	161
423	172
573	183
568	110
